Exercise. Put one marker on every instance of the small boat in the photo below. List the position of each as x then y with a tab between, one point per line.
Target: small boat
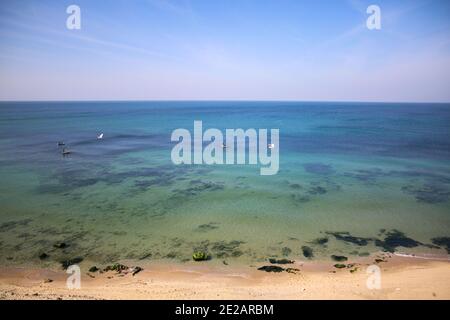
271	145
224	146
66	152
100	136
60	143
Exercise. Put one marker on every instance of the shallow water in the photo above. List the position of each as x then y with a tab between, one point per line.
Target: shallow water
360	168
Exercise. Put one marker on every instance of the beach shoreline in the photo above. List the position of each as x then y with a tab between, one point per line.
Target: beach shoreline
401	278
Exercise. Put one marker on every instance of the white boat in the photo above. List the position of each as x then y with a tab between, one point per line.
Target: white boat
100	136
271	145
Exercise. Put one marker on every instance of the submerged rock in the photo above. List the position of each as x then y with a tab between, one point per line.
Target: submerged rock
119	268
60	245
116	267
271	269
354	270
292	270
307	252
135	270
200	256
67	263
339	258
281	261
93	269
43	256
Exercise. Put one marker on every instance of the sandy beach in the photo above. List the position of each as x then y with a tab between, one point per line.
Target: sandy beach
401	278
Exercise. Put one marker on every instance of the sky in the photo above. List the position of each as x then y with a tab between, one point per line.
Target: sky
225	50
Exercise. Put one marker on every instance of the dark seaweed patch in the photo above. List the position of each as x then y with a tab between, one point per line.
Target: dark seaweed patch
442	242
146	184
286	251
9	225
207	226
317	190
366	175
66	180
171	255
318	168
371	175
428	193
197	186
430	176
320	241
300	198
394	239
347	237
146	256
363	254
224	249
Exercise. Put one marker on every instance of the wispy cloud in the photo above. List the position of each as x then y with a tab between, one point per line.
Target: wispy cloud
57	37
182	8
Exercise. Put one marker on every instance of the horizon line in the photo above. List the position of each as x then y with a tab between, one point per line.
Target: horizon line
221	100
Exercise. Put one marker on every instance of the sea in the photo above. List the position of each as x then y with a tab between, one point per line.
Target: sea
354	179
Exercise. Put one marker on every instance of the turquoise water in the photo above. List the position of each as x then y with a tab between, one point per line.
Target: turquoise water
360	168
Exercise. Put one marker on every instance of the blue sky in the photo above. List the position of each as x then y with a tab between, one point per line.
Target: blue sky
225	50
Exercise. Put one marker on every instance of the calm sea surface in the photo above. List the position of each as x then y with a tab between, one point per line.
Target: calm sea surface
354	178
